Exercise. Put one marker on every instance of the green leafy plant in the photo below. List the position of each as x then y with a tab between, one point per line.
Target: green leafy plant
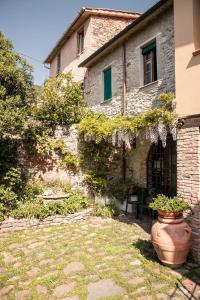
14	180
32	190
17	92
107	211
7	198
120	188
119	129
68	159
2	212
61	102
167	204
96	182
58	186
72	204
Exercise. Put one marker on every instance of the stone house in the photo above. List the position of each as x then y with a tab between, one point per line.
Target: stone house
157	53
126	70
146	44
89	31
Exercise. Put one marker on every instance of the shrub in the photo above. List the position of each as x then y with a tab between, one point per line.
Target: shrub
59	185
107	211
164	203
74	203
7	198
29	210
2	211
68	159
32	190
120	188
14	180
96	182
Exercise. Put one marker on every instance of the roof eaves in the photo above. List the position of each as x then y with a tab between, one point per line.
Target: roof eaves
55	48
128	28
67	31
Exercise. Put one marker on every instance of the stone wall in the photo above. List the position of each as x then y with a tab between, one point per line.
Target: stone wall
188	178
97	31
14	225
104	28
139	97
51	169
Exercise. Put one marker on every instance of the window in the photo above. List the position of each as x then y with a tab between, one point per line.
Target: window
150	63
107	78
58	63
80	38
196	24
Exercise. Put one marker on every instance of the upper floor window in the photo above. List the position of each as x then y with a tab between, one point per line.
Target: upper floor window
80	41
196	23
149	63
58	63
107	79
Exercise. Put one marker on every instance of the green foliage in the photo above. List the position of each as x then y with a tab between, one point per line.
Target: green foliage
72	204
101	128
120	188
167	100
95	181
32	190
61	102
164	203
107	211
8	157
59	186
13	179
7	198
2	212
95	161
16	89
69	160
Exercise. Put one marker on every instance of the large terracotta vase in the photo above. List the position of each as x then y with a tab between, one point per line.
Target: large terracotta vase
171	237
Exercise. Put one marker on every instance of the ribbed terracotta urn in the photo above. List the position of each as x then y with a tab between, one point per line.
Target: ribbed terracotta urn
171	237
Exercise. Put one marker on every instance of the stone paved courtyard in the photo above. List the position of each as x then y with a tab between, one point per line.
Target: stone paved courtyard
93	259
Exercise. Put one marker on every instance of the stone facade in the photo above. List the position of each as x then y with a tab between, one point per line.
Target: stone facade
188	178
97	31
55	171
139	97
104	28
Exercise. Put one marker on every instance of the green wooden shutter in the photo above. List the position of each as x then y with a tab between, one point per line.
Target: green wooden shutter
148	48
107	84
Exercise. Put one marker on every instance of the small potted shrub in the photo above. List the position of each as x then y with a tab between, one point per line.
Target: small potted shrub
170	235
169	207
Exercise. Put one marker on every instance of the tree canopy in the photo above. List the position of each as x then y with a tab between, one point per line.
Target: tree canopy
16	89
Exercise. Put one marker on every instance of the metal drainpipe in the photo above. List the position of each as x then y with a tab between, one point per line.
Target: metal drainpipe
124	107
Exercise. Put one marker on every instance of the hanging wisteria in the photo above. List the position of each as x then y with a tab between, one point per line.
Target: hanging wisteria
153	125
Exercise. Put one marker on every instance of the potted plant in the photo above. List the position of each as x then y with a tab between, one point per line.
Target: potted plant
171	235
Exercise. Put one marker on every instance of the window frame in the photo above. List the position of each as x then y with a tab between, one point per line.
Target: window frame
196	26
110	87
153	63
80	41
58	62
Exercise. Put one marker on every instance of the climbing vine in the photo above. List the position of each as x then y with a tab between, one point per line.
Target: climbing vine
153	124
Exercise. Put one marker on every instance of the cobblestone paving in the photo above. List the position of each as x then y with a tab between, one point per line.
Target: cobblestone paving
95	259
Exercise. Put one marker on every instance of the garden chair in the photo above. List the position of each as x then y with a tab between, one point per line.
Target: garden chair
132	199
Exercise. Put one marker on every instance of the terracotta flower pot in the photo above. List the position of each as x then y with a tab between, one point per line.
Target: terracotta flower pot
171	237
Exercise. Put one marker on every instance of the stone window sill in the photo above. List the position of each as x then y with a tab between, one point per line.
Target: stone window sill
105	101
196	52
149	84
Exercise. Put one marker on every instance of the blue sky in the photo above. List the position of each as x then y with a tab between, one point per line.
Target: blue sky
34	26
